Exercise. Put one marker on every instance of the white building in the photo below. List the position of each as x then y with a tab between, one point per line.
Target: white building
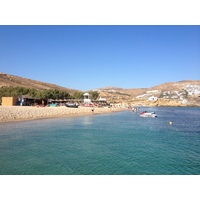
143	96
152	91
152	98
193	89
87	100
102	99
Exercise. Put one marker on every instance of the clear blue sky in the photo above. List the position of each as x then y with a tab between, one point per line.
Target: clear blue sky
89	57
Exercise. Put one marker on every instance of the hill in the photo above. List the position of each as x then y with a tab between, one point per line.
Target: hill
182	93
7	80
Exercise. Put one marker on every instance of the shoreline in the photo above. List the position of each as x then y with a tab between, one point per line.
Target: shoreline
10	114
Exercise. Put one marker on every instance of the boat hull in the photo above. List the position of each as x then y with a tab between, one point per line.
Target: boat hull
145	114
71	105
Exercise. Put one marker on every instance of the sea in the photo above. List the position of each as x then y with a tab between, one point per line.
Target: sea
118	143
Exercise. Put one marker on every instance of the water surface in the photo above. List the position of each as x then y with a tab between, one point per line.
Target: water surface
119	143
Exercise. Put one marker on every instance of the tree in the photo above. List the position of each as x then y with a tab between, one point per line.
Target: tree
43	94
78	95
94	95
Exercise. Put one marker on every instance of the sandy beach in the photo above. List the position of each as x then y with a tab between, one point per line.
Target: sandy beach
16	113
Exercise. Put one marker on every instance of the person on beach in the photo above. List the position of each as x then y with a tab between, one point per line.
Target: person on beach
93	110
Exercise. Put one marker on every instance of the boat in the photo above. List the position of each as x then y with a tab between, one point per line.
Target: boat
71	105
147	114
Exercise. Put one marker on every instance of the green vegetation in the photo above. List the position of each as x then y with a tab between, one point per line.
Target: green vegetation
77	95
161	95
43	94
185	93
120	93
94	95
80	95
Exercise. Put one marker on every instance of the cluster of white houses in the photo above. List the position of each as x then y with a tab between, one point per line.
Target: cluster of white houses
25	100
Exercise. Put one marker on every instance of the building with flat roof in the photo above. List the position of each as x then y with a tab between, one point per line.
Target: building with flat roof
9	101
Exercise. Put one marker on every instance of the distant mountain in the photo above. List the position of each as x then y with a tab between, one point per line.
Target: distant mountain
7	80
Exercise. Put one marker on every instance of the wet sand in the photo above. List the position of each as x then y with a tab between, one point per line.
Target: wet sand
20	113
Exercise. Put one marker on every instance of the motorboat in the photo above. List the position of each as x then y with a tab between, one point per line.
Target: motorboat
147	114
71	105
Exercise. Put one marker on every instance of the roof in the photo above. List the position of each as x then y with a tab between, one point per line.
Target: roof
25	97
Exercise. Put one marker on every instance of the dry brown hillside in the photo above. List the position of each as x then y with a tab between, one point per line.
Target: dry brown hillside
183	92
169	86
172	93
7	80
175	85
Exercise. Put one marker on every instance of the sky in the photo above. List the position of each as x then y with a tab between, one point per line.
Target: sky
95	56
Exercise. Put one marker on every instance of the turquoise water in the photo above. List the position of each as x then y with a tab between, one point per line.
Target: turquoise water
119	143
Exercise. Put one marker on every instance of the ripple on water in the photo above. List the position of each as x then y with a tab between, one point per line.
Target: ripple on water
118	143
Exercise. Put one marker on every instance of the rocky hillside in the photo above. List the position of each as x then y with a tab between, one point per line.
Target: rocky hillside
7	80
183	93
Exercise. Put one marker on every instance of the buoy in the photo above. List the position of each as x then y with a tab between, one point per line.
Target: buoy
170	123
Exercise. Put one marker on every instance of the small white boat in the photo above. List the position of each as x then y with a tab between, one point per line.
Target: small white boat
147	114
